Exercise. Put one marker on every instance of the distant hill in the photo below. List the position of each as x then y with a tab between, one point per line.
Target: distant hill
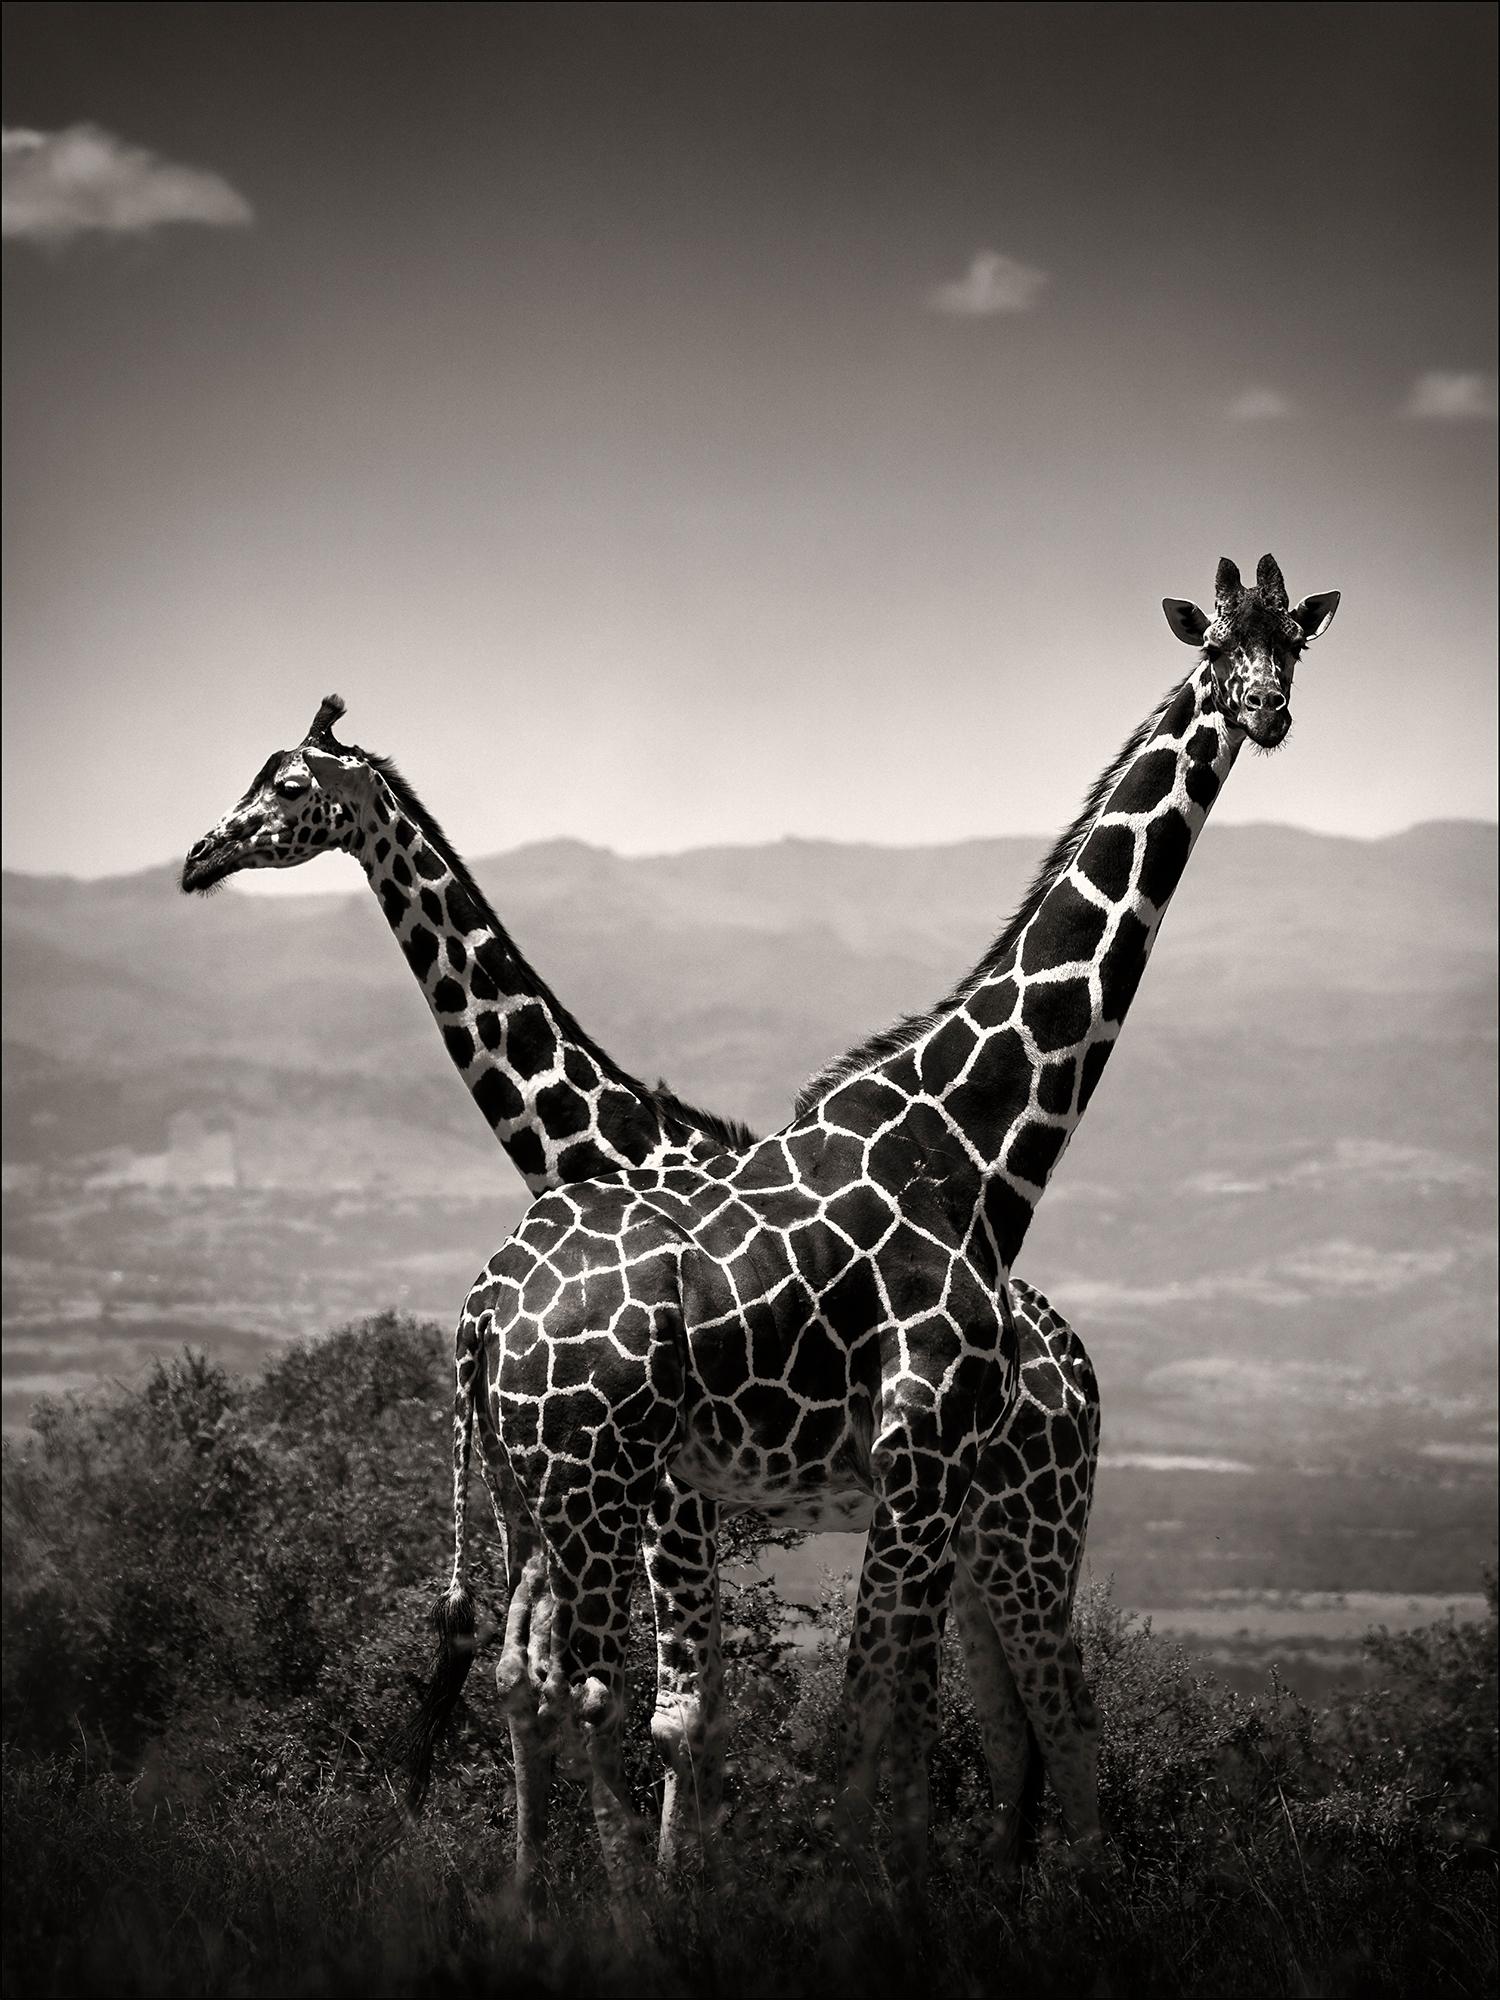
237	1112
738	969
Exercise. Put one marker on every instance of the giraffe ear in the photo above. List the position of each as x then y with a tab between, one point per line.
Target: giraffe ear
1185	619
328	768
1315	614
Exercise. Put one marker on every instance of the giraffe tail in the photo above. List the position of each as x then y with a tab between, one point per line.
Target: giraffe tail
453	1622
452	1617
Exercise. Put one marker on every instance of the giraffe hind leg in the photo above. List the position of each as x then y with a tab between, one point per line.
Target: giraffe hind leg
1023	1548
520	1678
584	1686
522	1668
1064	1721
1011	1754
687	1723
562	1669
1041	1655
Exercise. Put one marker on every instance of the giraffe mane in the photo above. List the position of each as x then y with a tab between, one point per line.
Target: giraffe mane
911	1027
683	1121
733	1134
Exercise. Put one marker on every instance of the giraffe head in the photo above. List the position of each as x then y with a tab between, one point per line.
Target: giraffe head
1252	644
300	803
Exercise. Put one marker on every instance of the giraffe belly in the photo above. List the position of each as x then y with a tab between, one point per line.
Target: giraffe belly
823	1510
825	1513
826	1495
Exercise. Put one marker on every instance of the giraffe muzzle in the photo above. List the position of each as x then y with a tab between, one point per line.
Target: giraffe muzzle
208	862
1264	714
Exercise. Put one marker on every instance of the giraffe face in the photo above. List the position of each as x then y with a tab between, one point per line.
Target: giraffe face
1251	646
293	809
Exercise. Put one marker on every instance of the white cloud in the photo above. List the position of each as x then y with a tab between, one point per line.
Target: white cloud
993	283
59	184
1452	397
1258	406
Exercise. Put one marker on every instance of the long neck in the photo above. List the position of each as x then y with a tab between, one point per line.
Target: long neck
558	1105
1014	1056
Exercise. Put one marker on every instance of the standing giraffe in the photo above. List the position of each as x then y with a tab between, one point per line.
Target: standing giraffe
824	1320
564	1111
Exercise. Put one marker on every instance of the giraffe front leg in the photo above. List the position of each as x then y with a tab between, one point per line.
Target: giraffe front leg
681	1560
930	1421
914	1732
894	1655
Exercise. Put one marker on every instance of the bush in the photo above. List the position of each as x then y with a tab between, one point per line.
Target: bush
200	1542
215	1600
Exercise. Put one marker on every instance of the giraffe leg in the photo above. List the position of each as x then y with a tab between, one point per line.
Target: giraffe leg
1003	1730
1060	1709
587	1674
897	1644
588	1460
563	1666
1027	1606
914	1731
527	1629
681	1562
1022	1545
523	1663
922	1460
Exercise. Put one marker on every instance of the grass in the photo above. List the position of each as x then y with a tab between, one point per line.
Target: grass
109	1892
214	1596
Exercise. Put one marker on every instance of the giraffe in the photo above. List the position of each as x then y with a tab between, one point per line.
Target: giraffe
821	1324
564	1111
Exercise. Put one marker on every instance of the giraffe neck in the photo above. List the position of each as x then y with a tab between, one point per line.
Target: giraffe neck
1013	1057
560	1107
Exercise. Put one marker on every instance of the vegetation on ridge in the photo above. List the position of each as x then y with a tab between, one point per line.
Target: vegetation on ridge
215	1597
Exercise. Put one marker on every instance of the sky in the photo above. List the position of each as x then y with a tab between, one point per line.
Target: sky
677	425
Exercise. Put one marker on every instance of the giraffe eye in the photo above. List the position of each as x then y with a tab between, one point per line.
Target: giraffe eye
292	786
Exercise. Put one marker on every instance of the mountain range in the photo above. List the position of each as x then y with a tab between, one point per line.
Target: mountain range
231	1121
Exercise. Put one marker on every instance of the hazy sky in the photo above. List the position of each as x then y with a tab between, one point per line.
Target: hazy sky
671	425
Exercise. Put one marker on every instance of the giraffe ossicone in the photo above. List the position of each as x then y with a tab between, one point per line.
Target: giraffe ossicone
563	1110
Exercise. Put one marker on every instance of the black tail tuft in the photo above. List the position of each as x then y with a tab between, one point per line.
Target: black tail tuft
1029	1805
453	1621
